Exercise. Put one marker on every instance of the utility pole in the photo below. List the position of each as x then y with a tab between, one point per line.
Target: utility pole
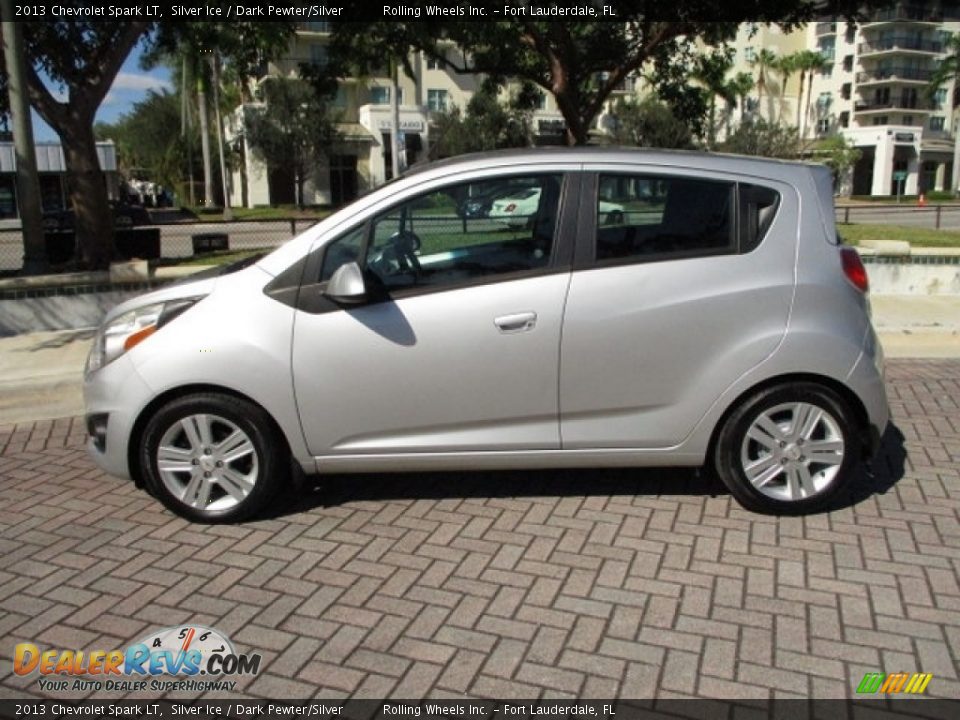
395	124
28	186
215	63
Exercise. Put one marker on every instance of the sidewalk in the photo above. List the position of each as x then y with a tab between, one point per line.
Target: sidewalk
41	372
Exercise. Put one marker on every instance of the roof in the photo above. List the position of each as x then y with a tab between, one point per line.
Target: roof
609	153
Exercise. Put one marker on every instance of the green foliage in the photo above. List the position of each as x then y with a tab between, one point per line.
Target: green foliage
766	139
581	62
293	129
649	123
838	154
149	143
486	124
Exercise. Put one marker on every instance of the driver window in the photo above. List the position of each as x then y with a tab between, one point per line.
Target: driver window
463	232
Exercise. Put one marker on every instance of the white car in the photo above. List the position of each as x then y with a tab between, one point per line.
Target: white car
518	209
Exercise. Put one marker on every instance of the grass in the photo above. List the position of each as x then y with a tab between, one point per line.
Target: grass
281	212
211	258
918	237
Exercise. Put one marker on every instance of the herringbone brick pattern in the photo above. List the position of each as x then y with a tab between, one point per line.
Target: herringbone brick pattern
551	584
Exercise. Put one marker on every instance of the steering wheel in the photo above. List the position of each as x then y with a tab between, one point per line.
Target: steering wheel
397	257
405	244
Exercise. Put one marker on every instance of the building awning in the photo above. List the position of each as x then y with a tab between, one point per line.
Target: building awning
50	157
355	132
937	145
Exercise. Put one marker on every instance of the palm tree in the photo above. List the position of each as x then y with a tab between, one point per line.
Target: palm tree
711	71
949	71
808	62
786	66
740	86
763	63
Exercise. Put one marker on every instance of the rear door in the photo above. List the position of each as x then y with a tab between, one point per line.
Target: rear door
682	282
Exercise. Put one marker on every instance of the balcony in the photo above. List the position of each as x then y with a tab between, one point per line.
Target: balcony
900	43
907	13
914	104
894	74
826	28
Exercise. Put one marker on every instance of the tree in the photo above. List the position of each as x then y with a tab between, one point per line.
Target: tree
763	63
949	71
760	137
808	62
579	61
485	124
838	154
82	58
144	141
740	86
787	67
292	129
711	71
649	123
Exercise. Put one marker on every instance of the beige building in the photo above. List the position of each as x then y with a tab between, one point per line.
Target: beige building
873	89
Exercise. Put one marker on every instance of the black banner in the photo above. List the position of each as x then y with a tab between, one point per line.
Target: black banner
483	709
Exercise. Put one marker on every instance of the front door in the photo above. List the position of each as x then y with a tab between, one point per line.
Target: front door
456	348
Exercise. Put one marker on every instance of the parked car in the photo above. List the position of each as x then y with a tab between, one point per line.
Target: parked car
727	328
519	209
124	216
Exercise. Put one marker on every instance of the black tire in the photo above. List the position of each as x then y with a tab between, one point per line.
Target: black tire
265	468
733	448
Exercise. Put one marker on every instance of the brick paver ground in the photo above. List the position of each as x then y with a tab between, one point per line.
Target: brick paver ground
590	584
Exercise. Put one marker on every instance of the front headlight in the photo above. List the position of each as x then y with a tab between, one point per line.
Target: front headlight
126	331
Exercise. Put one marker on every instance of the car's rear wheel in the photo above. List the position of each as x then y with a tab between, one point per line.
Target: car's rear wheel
213	458
789	449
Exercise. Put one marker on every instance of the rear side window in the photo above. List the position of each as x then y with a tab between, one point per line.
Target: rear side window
758	206
650	217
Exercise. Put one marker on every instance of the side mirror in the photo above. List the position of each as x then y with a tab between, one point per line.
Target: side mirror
346	285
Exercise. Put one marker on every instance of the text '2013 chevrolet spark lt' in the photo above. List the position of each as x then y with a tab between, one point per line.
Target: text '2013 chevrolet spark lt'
632	308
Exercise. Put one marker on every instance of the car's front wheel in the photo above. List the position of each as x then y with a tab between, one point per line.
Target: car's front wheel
212	457
789	449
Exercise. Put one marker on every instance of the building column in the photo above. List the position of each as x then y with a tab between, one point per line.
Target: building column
940	176
911	186
883	168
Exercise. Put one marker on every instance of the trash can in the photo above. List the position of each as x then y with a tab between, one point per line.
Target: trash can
210	242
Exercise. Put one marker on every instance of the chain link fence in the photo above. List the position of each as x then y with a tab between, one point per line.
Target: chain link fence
162	242
183	240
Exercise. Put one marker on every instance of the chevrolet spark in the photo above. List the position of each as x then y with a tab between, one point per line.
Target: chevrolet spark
713	320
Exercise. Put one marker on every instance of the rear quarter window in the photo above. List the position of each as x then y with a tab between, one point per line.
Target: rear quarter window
758	207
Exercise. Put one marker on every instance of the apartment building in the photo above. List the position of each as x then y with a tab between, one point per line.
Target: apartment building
873	88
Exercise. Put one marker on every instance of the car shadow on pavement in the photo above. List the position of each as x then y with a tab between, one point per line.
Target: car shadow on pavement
334	490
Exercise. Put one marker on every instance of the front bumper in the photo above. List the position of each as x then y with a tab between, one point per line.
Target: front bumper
113	396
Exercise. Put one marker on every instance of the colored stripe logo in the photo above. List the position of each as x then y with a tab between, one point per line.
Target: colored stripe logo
913	683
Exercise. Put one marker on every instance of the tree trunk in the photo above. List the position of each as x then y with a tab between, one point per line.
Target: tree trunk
205	142
803	77
88	195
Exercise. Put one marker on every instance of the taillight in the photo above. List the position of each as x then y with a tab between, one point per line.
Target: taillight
853	268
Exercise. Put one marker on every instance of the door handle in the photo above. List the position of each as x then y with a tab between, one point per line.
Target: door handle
518	322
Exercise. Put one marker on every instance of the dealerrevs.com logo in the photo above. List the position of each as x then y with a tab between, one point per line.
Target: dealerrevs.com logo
184	651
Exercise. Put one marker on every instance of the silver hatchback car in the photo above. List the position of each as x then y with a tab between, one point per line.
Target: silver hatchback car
650	308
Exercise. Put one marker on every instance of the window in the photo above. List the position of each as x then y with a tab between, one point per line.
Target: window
845	91
433	64
881	120
845	119
823	126
318	54
456	234
318	26
541	101
939	98
758	206
848	63
380	95
749	54
657	217
437	100
936	122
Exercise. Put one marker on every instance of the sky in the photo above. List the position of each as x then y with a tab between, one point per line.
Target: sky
131	85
